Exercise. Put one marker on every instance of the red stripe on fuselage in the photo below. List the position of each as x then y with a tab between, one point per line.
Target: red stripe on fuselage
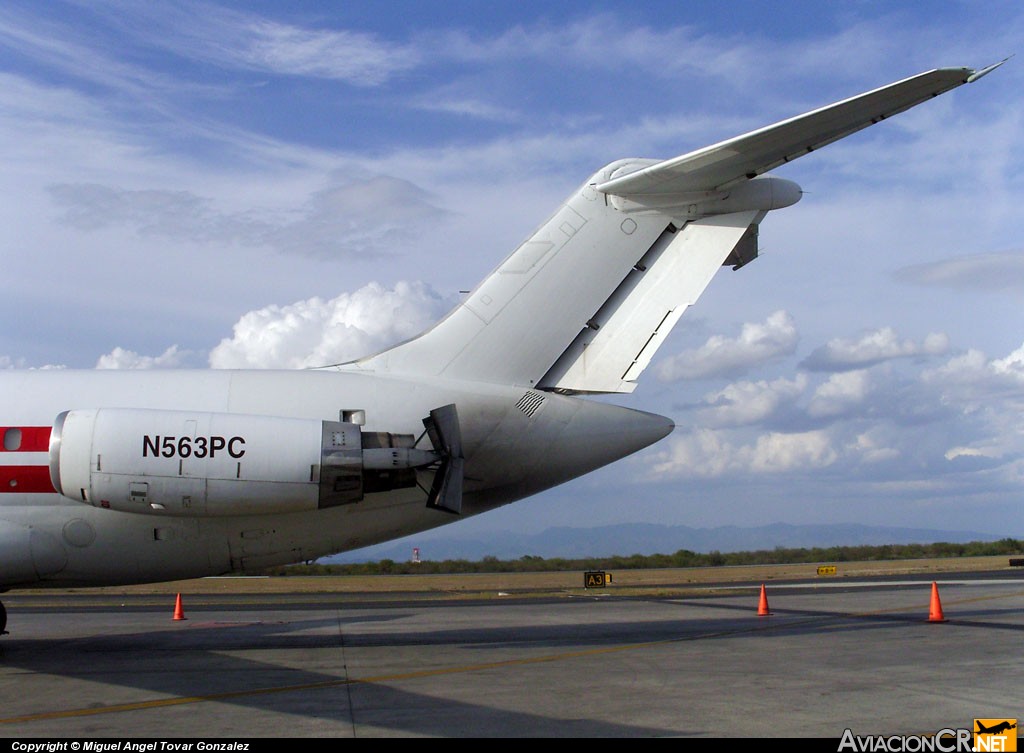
25	479
33	439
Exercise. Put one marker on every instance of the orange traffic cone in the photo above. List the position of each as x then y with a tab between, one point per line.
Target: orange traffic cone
935	610
179	613
762	605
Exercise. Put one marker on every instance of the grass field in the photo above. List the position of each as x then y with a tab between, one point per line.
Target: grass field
486	585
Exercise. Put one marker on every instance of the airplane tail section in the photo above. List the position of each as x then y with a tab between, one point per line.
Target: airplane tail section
619	341
583	304
571	277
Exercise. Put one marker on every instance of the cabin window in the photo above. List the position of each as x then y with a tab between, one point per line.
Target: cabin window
12	440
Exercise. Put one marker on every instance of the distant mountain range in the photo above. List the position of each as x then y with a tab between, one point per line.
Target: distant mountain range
646	538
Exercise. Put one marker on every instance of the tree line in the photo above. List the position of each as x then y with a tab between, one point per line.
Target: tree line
682	558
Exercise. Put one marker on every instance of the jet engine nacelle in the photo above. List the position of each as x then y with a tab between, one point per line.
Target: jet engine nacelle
215	464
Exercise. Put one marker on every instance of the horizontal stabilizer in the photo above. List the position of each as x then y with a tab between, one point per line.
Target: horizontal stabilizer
617	345
720	165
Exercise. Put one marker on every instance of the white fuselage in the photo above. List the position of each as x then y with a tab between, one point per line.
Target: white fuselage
516	442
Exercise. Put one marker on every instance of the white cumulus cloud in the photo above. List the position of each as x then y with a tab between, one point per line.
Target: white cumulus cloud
778	452
317	332
874	347
121	358
987	395
706	453
841	393
703	453
871	448
1012	365
973	452
758	342
6	362
973	372
743	403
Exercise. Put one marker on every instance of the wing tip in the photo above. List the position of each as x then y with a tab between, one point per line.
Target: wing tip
975	75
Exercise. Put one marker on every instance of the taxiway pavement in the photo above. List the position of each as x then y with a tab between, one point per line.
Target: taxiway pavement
858	656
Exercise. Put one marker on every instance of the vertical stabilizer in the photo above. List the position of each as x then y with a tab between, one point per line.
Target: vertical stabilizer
617	345
519	320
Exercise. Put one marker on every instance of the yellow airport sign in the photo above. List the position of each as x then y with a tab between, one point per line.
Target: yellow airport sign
596	579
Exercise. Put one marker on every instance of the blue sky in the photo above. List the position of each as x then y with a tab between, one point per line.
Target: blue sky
286	185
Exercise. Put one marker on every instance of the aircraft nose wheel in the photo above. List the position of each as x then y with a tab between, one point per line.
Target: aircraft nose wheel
3	619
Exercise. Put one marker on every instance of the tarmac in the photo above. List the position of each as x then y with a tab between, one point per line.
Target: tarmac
831	656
